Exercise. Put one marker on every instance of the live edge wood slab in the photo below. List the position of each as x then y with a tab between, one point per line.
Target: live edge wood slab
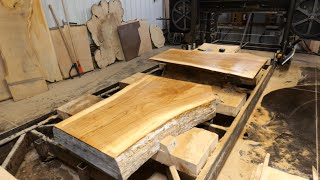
242	65
119	134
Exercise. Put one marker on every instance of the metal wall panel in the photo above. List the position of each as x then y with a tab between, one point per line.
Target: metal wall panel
80	10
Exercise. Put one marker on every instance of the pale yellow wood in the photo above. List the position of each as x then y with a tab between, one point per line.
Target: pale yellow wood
157	36
23	73
81	45
4	90
131	79
126	128
189	151
75	106
275	174
174	175
42	44
144	33
5	175
315	174
238	64
214	48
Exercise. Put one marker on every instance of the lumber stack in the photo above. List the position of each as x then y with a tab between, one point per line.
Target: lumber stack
121	133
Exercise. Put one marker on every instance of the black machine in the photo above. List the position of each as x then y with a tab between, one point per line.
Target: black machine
285	20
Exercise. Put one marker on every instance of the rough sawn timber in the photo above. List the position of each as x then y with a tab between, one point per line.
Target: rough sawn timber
121	133
243	65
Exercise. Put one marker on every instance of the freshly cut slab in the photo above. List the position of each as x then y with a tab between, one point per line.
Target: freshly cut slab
121	133
189	151
214	48
243	65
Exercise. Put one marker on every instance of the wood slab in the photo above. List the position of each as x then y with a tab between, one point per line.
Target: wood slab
131	79
130	39
82	47
4	90
237	64
6	175
23	73
121	133
189	151
157	36
75	106
214	48
144	33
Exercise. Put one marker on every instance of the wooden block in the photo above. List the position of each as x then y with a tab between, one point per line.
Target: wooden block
6	175
130	39
81	45
75	106
119	134
275	174
314	46
243	65
144	33
23	73
131	79
173	173
189	151
214	48
4	90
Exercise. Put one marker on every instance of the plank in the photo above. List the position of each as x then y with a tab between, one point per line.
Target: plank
130	39
43	45
82	47
144	33
4	90
121	133
173	173
23	76
229	103
157	36
75	106
275	174
243	65
189	151
6	175
214	48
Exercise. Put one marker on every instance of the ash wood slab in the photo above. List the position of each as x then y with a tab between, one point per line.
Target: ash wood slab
130	39
144	33
23	73
238	64
6	175
121	133
75	106
189	151
4	90
214	48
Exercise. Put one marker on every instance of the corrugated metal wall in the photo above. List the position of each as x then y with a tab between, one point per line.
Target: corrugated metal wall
80	10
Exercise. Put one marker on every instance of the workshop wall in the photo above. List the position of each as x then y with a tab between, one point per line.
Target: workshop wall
80	10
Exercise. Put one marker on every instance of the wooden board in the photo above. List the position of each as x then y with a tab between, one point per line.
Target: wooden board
238	64
230	101
189	151
6	175
4	90
122	132
106	17
157	36
75	106
130	39
144	33
23	76
214	48
82	47
42	44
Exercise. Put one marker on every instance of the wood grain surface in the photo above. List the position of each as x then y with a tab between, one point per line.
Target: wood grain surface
115	124
238	64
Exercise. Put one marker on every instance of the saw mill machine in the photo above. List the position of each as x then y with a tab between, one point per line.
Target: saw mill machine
285	23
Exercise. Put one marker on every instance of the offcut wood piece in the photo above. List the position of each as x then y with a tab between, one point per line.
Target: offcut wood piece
230	101
106	18
214	48
144	33
6	175
157	36
81	45
42	43
314	46
119	134
23	73
130	39
4	90
237	64
131	79
173	173
75	106
189	151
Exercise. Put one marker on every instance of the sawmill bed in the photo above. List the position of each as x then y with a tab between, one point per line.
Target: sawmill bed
37	134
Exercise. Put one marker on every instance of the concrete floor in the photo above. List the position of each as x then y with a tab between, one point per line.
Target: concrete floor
282	124
13	114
